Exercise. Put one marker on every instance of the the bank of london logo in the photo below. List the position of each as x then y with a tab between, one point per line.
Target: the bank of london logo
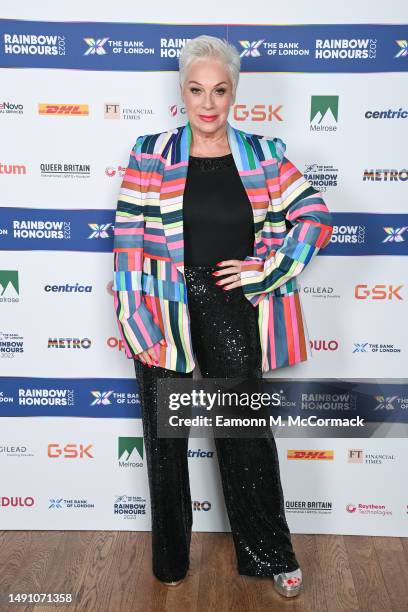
324	110
403	45
251	49
101	397
9	283
99	230
384	402
96	46
394	234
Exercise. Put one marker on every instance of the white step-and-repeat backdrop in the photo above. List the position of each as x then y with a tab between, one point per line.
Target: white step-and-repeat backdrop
74	96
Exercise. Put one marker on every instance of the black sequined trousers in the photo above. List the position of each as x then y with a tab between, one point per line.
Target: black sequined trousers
226	344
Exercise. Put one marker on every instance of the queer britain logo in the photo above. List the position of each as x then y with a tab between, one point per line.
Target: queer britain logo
324	113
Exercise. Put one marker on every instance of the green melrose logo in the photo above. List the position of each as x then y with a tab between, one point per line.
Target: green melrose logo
324	113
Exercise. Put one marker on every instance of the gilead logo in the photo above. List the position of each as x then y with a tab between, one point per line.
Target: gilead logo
16	502
378	292
70	451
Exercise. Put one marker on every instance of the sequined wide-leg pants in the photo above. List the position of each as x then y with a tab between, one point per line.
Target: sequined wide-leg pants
226	344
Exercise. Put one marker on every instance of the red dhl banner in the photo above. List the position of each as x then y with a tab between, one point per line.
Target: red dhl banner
63	109
310	454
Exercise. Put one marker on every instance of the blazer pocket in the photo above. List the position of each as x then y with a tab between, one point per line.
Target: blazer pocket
168	290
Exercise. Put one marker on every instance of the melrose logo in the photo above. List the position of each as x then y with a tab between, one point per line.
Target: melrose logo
9	287
324	113
130	451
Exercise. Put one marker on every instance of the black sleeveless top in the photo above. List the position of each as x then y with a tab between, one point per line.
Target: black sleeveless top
218	221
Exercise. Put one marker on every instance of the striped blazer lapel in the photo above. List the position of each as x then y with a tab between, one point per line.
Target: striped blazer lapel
247	153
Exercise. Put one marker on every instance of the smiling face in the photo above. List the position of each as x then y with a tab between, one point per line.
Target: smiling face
207	94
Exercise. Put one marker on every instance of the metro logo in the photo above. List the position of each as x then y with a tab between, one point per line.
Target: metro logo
310	454
70	451
378	292
63	109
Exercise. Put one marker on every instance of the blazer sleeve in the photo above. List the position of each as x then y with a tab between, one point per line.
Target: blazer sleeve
136	325
310	223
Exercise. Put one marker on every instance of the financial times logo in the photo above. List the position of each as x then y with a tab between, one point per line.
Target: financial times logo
99	231
251	49
394	234
95	46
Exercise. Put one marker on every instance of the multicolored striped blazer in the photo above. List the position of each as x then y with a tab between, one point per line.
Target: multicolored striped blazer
291	224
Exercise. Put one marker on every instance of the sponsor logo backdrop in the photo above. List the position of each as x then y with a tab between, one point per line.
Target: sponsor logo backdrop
74	97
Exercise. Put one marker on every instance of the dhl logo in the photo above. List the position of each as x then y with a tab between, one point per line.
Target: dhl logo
310	454
64	109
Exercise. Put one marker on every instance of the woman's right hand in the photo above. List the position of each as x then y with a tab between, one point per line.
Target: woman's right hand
148	357
152	354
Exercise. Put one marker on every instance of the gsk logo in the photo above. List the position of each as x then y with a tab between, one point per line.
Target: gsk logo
70	451
258	112
378	292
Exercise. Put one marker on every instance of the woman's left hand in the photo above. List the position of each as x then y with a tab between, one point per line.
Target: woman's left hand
228	275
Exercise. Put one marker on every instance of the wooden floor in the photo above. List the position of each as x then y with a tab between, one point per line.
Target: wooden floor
111	571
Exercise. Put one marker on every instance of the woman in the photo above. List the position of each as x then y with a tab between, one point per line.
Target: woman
212	227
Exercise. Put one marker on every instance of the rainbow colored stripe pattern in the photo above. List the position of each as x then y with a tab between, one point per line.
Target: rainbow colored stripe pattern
149	284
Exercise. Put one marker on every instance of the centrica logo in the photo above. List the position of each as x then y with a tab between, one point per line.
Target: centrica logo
259	112
378	292
176	109
386	114
310	454
77	288
16	502
70	451
67	110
